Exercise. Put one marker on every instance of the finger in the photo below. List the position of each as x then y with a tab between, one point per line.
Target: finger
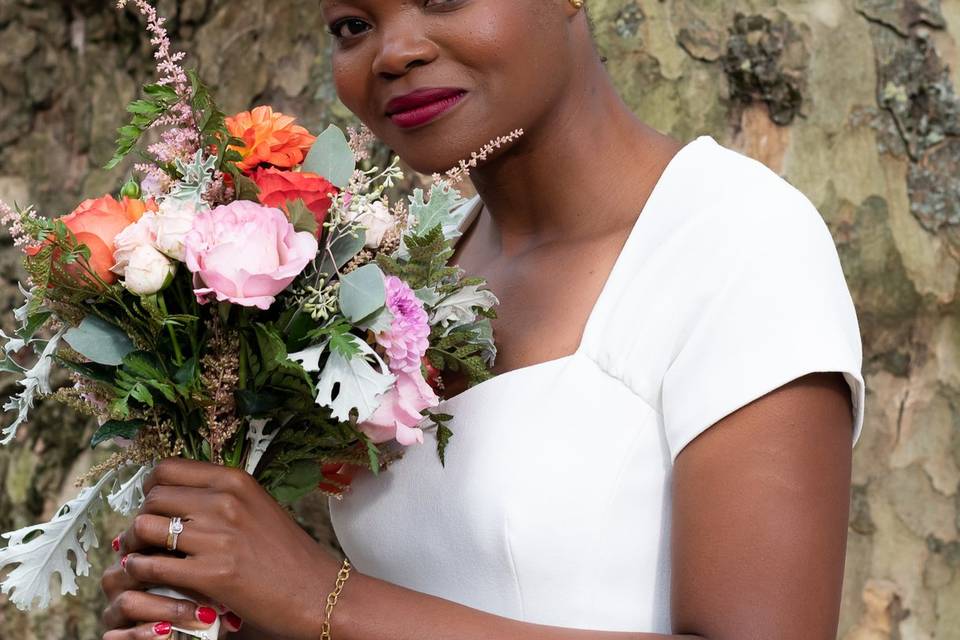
136	607
232	622
149	532
142	632
115	580
193	473
176	573
190	503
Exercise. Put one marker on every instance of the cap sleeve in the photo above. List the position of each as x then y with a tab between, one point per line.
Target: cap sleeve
778	308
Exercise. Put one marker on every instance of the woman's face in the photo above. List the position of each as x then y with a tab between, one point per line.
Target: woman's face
438	79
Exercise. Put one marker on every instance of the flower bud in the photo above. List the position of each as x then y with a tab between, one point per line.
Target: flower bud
148	271
131	189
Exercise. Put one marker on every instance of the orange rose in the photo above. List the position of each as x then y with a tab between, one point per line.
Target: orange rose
277	188
96	223
269	138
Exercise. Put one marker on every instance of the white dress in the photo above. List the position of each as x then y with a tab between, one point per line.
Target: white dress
554	505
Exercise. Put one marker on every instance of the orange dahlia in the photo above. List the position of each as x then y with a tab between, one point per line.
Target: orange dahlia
269	138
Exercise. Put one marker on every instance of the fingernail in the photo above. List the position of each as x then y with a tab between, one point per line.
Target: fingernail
206	615
116	544
234	622
162	628
123	561
222	608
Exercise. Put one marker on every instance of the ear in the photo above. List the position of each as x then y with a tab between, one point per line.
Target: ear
572	7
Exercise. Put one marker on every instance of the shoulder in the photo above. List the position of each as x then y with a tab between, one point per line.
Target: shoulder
729	201
731	288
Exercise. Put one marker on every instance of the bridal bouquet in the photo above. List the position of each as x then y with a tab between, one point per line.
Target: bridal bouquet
252	299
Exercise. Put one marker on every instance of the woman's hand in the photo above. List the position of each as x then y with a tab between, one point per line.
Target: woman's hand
241	549
134	614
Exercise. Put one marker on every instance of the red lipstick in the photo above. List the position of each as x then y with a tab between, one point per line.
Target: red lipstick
422	106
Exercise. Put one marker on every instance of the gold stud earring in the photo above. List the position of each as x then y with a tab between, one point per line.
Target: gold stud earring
577	4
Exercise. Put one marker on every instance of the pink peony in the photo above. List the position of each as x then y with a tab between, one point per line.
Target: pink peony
407	339
246	253
399	415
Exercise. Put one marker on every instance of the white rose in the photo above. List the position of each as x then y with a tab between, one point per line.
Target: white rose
378	221
174	222
139	234
148	271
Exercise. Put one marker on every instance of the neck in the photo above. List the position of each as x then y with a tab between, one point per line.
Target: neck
578	174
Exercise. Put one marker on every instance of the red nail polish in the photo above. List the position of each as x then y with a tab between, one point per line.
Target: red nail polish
206	615
233	620
116	544
123	561
162	628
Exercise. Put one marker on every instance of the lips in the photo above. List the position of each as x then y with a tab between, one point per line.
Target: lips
423	106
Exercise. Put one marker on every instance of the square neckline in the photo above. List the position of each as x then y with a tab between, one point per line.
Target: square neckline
475	205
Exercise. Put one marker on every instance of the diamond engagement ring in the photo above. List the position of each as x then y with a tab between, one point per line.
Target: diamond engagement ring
173	533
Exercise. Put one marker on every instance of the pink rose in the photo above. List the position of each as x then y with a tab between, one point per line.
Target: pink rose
246	253
398	417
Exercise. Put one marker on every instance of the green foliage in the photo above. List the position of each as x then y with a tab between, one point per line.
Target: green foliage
116	429
301	217
461	351
99	341
341	340
332	158
362	292
444	433
301	478
443	208
158	101
426	263
142	378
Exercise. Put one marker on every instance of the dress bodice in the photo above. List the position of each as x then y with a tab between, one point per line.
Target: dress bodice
554	504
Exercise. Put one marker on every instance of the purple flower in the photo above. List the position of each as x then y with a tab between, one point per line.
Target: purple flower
407	339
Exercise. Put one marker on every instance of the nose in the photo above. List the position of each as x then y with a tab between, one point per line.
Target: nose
403	46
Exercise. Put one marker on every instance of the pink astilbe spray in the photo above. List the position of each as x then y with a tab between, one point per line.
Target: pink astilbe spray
461	172
181	140
168	63
13	221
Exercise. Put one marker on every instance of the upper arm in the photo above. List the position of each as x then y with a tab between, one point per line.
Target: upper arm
760	508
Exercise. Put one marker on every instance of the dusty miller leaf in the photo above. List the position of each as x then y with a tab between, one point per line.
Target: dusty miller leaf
128	497
462	307
42	550
359	384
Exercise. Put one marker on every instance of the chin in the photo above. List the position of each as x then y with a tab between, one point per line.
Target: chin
440	145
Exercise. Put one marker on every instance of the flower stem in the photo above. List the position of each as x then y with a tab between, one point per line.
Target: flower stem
178	355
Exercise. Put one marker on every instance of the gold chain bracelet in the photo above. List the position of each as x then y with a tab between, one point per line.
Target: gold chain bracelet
332	600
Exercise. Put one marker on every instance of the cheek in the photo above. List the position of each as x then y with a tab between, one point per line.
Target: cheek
513	50
349	79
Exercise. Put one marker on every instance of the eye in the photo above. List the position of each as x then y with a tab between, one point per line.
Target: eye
349	28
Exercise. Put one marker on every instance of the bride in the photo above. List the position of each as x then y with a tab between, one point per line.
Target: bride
666	448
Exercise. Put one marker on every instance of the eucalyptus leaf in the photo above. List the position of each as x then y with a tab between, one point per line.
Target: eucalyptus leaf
343	249
99	341
362	292
332	158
